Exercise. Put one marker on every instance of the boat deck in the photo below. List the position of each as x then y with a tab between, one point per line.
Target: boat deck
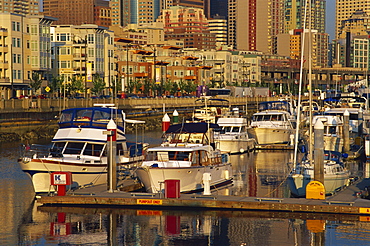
343	202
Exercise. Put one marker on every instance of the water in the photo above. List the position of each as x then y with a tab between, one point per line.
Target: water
24	222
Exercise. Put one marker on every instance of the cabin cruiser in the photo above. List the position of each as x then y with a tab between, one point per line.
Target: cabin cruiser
232	136
80	147
187	154
210	110
274	123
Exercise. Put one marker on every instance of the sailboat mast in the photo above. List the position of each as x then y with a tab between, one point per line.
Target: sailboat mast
310	78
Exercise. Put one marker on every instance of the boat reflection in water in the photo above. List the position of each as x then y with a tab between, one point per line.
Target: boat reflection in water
23	224
72	226
261	174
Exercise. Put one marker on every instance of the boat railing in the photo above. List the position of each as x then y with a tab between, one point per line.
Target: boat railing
35	150
134	149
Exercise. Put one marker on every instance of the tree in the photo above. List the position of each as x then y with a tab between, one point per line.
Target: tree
56	83
35	81
190	87
167	85
147	86
98	85
174	88
76	85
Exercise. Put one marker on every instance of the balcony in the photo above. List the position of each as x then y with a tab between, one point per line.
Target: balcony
4	48
4	65
4	80
141	75
79	56
190	77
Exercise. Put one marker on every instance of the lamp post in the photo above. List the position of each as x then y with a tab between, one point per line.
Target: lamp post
154	65
126	68
85	67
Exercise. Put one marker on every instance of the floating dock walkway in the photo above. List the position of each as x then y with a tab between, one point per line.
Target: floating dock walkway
344	202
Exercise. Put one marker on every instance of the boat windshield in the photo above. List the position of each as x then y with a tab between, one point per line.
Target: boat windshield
78	148
233	129
268	117
91	117
274	105
168	155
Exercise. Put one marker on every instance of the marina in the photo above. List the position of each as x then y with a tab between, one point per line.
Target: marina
345	202
257	175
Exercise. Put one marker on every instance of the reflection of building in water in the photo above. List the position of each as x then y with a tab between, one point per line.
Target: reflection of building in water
260	231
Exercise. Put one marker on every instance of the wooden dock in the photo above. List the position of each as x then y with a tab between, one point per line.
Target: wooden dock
344	202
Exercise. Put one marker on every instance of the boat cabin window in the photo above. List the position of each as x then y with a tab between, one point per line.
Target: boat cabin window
83	114
101	116
93	149
226	129
73	148
66	116
276	117
178	155
57	149
330	129
236	129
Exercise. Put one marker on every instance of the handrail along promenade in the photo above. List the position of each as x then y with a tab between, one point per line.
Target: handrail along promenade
50	104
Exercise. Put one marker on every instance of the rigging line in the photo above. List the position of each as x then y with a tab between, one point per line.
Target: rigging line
300	89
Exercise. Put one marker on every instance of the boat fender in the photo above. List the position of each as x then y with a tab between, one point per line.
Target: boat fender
26	159
241	150
155	165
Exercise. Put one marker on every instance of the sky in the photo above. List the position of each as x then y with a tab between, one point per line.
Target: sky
330	18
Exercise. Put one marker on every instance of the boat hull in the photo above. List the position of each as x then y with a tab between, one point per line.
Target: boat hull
82	174
298	183
191	178
235	146
272	135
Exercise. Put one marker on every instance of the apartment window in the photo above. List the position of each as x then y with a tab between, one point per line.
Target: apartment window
16	26
63	37
34	45
33	29
16	42
90	38
64	64
17	74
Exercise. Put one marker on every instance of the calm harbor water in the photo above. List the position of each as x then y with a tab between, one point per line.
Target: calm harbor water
25	222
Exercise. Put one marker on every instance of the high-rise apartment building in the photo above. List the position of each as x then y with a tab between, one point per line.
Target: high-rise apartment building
78	12
297	16
357	24
218	26
345	9
189	25
22	7
202	4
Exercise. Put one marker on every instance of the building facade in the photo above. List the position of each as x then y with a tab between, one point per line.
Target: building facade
189	25
25	48
345	9
84	51
21	7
